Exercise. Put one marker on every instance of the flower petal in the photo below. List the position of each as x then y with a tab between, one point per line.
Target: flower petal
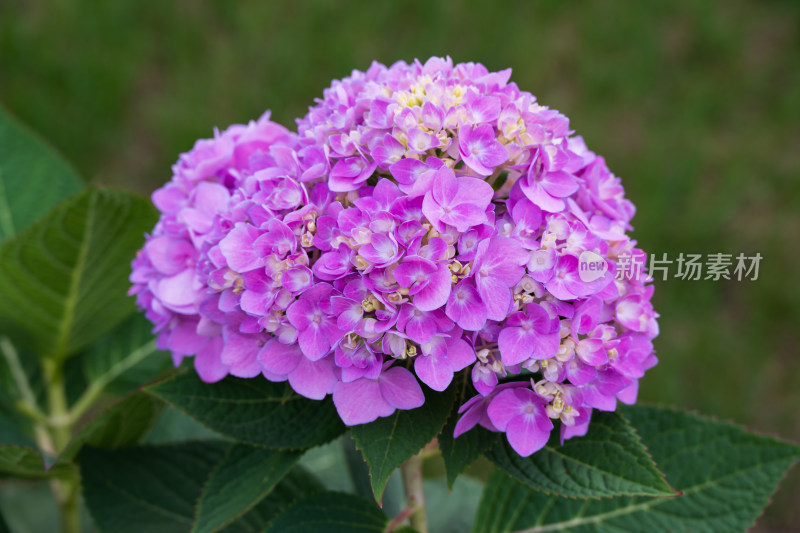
360	401
434	371
525	435
399	387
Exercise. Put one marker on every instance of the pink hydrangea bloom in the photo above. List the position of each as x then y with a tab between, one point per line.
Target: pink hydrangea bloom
425	219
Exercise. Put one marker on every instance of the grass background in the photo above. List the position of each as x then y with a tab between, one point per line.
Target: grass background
696	105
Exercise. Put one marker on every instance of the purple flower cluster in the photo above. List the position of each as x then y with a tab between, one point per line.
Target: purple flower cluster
424	219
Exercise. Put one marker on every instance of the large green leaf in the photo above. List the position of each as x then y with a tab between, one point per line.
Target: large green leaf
388	442
459	453
255	411
244	477
63	280
126	358
725	473
30	507
118	363
33	177
176	426
298	483
11	431
330	512
148	488
157	488
123	424
609	460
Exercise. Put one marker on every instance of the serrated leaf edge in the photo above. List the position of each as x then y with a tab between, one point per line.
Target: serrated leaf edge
605	496
255	502
181	372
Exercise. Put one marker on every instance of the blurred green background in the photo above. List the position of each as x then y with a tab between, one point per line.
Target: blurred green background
696	105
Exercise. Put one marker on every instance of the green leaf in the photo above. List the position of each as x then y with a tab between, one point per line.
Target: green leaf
63	280
255	411
459	453
147	488
157	488
29	507
726	474
609	460
123	424
27	462
297	484
388	442
11	432
238	483
330	512
33	177
357	470
20	458
117	363
125	359
176	426
20	380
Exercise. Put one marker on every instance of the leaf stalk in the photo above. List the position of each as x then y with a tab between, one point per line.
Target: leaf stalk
415	493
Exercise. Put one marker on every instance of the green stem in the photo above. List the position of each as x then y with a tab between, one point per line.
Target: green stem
65	490
27	404
415	493
17	373
98	385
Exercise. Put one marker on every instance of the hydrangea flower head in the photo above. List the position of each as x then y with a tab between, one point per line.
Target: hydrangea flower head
424	220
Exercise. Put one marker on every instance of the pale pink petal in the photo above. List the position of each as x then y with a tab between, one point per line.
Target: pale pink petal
505	406
525	435
544	345
360	401
465	307
559	184
628	394
314	342
445	186
580	427
299	314
240	354
278	358
177	292
514	345
459	354
399	387
207	362
468	421
313	379
237	248
496	296
436	292
433	371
